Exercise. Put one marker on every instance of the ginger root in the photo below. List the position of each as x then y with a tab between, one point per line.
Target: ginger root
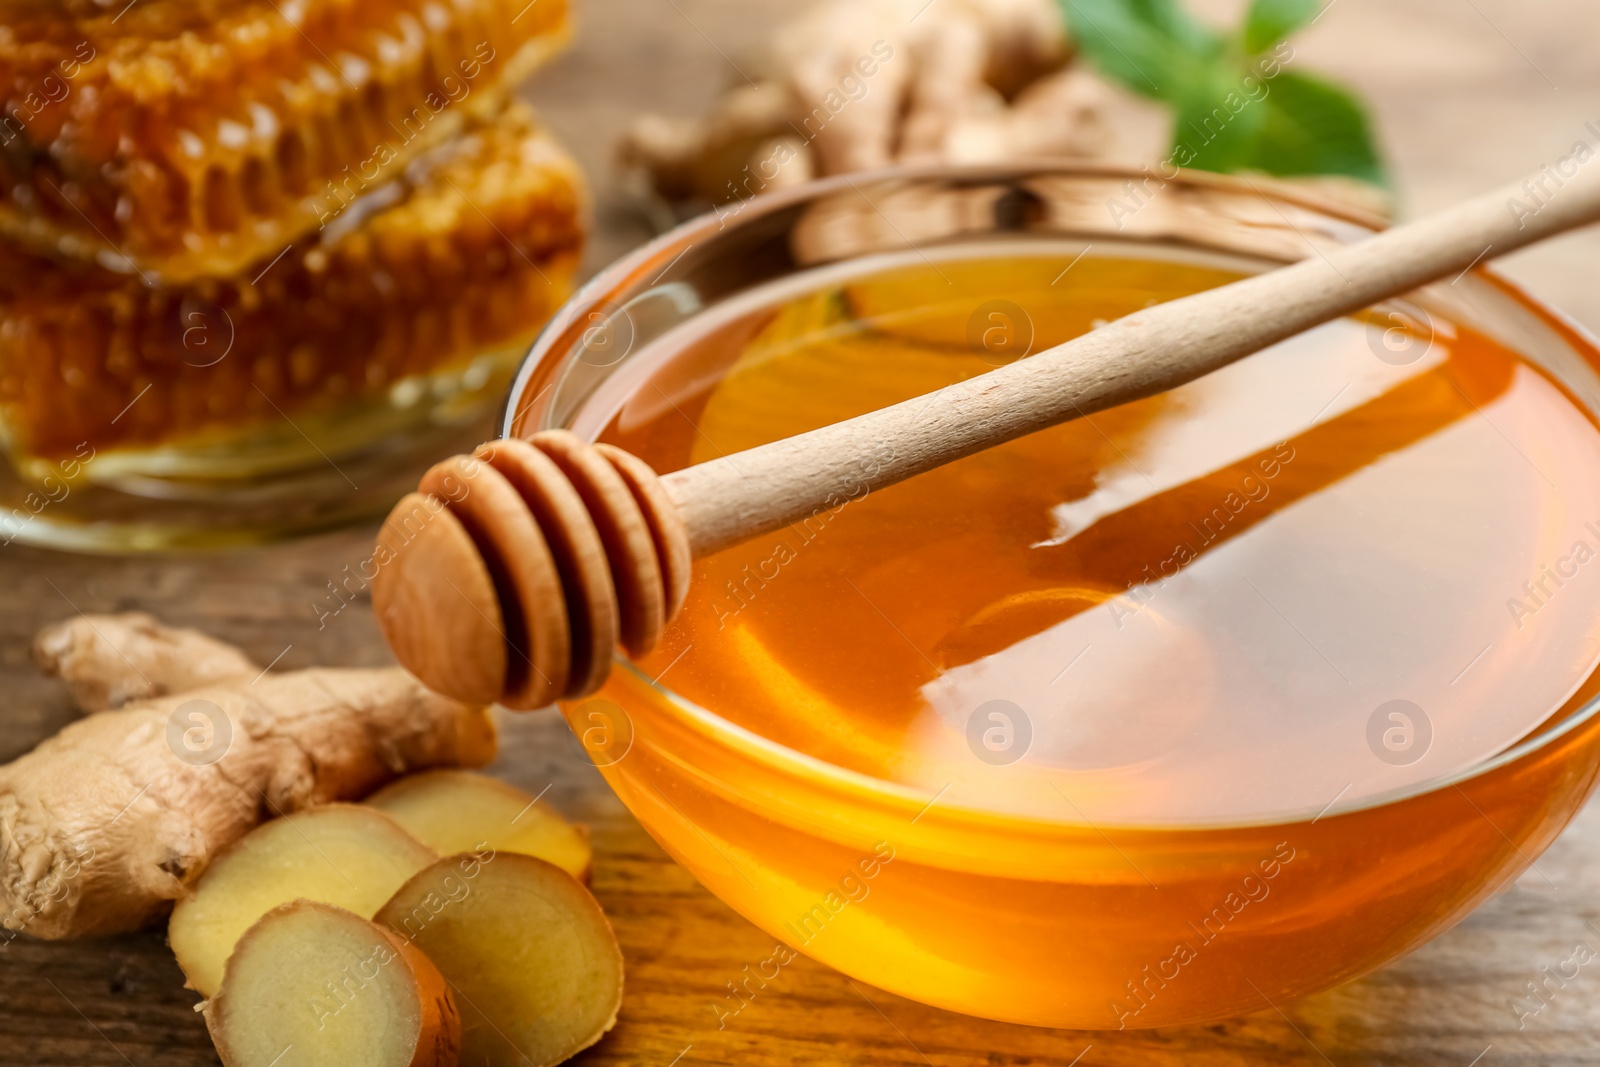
341	854
110	660
458	811
311	985
851	85
105	824
528	951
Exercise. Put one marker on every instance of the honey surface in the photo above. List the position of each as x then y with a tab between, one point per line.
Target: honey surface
1324	573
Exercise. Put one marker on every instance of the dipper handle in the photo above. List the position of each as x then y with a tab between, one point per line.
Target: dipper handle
512	574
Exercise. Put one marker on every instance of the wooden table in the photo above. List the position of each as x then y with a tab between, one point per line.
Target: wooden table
1467	93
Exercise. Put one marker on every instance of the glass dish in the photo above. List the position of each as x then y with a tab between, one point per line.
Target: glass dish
1010	915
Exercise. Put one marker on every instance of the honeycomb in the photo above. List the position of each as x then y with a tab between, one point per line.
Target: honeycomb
177	139
471	249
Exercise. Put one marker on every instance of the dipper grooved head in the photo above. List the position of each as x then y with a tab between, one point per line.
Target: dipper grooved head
512	575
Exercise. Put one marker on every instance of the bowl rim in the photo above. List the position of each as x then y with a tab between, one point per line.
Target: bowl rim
821	773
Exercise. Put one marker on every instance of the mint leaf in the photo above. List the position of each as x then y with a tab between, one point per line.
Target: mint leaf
1151	47
1235	108
1301	126
1270	21
1314	127
1220	129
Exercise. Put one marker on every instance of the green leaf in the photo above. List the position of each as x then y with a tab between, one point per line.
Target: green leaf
1270	21
1151	47
1315	127
1228	113
1303	126
1218	130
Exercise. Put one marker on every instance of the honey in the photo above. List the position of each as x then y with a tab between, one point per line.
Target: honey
1113	707
1188	608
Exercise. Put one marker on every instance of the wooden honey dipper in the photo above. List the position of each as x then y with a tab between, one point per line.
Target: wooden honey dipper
512	574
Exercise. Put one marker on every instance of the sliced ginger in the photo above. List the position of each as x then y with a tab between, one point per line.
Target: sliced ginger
312	985
530	956
341	854
458	811
107	823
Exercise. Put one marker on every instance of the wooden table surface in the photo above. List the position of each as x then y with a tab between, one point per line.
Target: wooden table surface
1466	93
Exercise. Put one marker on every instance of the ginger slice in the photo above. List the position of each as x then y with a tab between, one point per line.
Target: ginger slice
457	811
529	954
340	854
108	822
311	985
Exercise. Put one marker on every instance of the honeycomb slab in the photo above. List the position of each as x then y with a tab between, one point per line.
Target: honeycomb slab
175	139
470	250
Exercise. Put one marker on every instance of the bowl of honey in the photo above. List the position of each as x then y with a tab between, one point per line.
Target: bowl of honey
1160	716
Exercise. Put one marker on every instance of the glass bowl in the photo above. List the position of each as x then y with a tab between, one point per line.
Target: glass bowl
1052	922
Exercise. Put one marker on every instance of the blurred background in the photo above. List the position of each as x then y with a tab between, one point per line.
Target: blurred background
1462	95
